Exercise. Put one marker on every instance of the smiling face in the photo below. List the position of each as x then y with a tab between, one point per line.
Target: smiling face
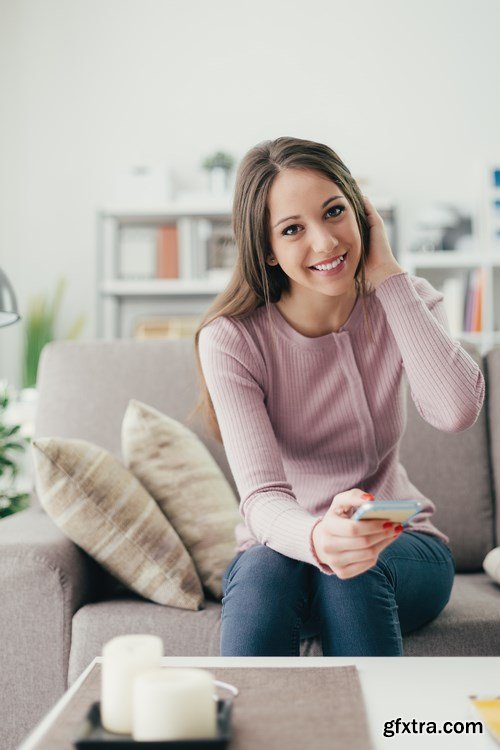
311	223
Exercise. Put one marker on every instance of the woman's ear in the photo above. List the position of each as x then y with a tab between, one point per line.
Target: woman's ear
271	260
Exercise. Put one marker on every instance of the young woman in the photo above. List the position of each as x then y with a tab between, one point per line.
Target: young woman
302	360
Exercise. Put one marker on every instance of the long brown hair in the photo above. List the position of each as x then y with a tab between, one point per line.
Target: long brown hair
254	282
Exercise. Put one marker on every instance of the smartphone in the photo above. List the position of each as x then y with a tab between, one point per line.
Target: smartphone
399	511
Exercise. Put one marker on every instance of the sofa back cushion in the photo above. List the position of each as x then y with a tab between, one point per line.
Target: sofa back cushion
85	387
452	469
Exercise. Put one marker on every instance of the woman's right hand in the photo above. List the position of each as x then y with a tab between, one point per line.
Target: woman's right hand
351	547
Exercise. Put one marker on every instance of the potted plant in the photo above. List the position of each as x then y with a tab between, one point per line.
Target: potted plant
11	499
219	166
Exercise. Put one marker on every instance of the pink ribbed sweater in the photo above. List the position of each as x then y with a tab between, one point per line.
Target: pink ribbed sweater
303	418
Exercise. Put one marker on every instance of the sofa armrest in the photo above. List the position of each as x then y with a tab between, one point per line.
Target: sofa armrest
44	580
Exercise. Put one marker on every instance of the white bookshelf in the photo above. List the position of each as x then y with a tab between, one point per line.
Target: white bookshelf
120	299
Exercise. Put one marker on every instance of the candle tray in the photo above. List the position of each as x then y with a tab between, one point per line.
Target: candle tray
93	736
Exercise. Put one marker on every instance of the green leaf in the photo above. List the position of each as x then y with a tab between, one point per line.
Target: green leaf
13	447
11	430
77	327
11	503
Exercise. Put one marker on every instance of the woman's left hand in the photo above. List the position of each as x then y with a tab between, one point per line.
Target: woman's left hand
380	262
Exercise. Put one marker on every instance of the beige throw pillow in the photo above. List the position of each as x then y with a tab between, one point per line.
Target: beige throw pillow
178	470
102	507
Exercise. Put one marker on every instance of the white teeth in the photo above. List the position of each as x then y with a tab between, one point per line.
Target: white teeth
329	266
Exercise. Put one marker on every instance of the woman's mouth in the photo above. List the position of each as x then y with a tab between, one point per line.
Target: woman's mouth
330	269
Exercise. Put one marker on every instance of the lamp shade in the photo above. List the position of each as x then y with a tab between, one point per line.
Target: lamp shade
8	304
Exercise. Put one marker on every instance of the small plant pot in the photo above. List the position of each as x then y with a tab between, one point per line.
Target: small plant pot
218	180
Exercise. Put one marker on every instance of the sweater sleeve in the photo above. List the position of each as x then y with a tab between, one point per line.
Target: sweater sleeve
234	377
447	386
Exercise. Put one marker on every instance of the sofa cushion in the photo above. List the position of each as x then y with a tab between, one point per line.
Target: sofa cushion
468	626
102	507
190	489
453	470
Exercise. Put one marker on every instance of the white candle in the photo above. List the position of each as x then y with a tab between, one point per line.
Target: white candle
174	704
124	657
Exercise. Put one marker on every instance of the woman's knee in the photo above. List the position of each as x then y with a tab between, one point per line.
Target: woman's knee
265	578
422	570
263	605
266	568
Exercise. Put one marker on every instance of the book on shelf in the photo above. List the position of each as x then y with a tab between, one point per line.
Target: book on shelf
193	235
478	283
464	300
171	327
474	298
167	257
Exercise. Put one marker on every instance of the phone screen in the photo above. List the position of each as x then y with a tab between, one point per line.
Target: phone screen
399	512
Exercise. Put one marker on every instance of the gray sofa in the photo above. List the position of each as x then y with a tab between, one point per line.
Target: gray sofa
58	607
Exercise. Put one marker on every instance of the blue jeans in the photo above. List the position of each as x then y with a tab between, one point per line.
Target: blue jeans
270	601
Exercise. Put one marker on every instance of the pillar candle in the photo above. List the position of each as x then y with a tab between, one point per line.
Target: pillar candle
174	704
124	657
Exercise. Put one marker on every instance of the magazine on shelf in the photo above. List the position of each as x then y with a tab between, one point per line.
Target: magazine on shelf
137	259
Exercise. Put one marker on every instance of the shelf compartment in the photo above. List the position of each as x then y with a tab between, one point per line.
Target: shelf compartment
160	287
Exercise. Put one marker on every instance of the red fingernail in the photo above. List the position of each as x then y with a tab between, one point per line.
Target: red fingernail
367	496
387	524
398	528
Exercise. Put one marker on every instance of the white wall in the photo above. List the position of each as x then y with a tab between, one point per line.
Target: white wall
406	92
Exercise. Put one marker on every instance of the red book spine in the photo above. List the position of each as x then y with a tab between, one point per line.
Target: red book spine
478	319
167	257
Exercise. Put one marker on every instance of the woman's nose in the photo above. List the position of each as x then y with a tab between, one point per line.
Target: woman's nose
323	241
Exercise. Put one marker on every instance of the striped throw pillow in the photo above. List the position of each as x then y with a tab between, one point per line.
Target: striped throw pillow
102	507
180	473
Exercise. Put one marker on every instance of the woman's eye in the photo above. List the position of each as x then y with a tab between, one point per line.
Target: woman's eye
292	226
340	210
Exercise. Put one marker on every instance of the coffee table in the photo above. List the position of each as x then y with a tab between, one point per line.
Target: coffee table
427	689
